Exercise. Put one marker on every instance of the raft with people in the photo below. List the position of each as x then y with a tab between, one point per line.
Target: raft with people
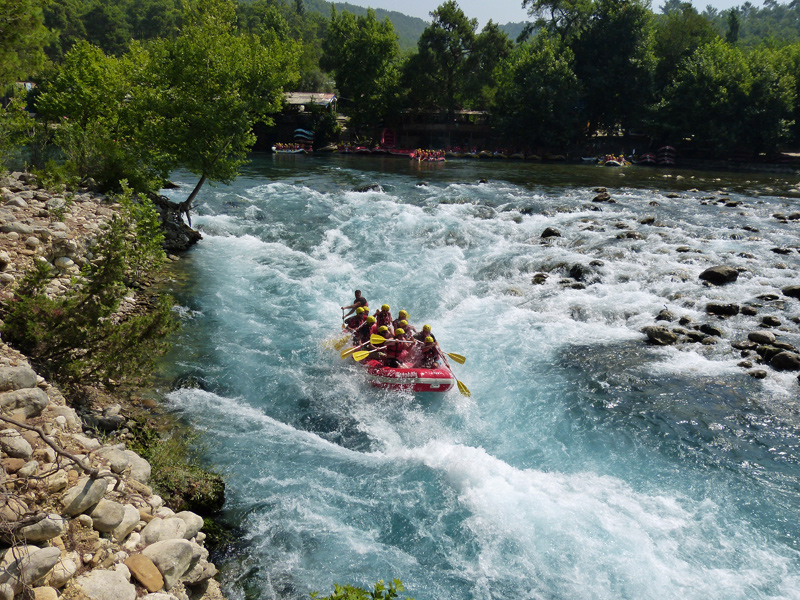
395	355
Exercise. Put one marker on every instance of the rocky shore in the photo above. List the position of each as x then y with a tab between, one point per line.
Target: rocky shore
78	519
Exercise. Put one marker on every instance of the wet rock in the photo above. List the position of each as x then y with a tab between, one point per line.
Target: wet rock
785	361
724	309
784	346
745	364
792	291
550	232
709	329
758	374
761	337
720	275
659	335
539	279
371	187
665	315
770	321
766	352
604	197
749	311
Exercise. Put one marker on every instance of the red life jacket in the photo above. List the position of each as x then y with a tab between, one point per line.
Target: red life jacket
430	356
383	318
394	350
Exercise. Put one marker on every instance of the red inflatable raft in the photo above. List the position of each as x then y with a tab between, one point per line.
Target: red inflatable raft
414	379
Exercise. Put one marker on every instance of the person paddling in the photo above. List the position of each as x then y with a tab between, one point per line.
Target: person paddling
401	316
429	355
384	316
359	301
426	332
358	319
362	332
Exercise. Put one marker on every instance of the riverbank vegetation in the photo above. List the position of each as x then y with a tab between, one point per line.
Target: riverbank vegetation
132	90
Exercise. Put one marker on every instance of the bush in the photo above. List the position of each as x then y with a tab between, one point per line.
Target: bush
349	592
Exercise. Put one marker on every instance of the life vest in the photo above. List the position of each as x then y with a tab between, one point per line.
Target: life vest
394	350
356	321
429	357
384	318
362	332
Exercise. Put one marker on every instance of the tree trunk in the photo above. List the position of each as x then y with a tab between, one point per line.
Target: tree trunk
186	205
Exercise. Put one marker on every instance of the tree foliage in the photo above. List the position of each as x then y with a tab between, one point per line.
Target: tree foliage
380	592
80	336
362	52
22	39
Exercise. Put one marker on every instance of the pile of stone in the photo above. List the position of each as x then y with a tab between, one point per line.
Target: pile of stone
77	518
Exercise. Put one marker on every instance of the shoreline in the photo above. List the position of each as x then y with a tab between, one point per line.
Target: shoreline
79	516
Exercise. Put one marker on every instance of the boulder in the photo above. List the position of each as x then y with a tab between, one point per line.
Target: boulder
550	232
83	496
709	329
106	585
14	445
140	468
173	558
107	515
28	402
202	571
723	309
194	523
770	321
11	508
145	572
118	461
785	361
163	529
792	291
659	335
130	520
51	526
15	378
45	593
665	315
30	567
86	442
720	275
761	337
64	570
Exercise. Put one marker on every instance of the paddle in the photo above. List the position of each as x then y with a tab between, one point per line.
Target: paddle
461	387
362	354
378	339
348	351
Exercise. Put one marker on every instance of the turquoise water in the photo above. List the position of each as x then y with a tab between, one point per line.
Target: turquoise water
586	464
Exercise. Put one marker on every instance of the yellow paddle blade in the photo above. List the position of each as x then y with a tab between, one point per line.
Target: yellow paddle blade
376	339
360	355
340	343
463	389
457	357
346	352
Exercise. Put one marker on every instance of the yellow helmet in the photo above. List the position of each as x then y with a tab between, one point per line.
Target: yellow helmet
360	310
403	323
385	307
429	340
426	328
402	314
399	331
383	329
370	319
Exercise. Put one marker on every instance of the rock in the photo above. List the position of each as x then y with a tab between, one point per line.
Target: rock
130	520
539	279
665	315
792	291
749	311
106	585
163	529
57	481
30	567
11	508
173	558
15	378
63	263
107	515
550	232
16	227
194	523
118	461
64	570
140	468
83	496
761	337
660	335
372	187
51	526
785	361
28	402
29	469
45	593
603	196
722	308
145	572
202	571
720	275
709	329
88	443
12	465
14	445
70	416
770	321
6	592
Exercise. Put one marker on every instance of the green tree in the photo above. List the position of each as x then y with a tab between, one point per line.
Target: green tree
538	94
566	18
22	39
491	47
211	85
442	67
732	36
770	100
361	52
106	27
614	63
708	98
678	34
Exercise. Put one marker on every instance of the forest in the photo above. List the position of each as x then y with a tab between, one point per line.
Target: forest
132	89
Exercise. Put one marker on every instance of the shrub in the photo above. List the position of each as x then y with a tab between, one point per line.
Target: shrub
349	592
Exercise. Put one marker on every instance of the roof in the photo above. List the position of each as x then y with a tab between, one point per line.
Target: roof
296	98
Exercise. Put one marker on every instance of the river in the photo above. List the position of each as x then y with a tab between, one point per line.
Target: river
585	464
